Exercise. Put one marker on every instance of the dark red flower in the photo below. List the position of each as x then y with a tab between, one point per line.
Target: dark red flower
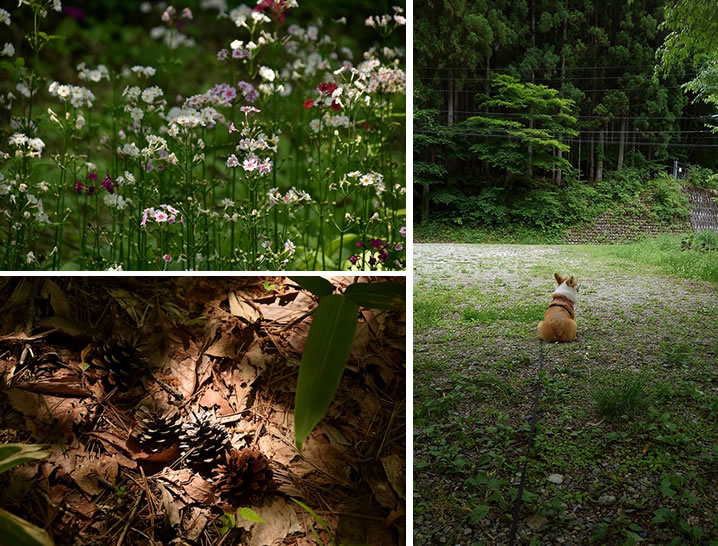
308	103
336	106
92	176
326	88
376	243
275	6
91	190
109	184
79	186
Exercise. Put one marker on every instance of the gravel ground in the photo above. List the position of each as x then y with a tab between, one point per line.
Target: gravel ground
629	318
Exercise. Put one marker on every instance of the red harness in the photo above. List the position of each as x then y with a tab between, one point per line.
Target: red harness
562	302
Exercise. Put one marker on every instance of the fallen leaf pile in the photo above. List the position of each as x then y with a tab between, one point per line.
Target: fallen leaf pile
224	348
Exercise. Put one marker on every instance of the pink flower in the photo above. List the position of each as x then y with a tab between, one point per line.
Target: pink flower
160	216
187	13
167	258
232	128
399	246
265	167
232	161
251	163
240	53
170	209
248	109
145	215
403	231
230	93
222	55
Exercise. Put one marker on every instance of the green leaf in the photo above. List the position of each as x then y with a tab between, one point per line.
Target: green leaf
316	517
326	351
380	295
479	513
18	532
250	515
318	286
15	454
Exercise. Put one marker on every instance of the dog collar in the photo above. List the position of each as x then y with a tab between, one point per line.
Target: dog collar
561	299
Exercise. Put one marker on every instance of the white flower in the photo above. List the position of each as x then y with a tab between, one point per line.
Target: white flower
30	258
226	203
36	144
115	200
4	17
144	71
23	89
8	50
232	161
116	267
136	114
236	44
18	139
57	5
315	125
130	149
267	73
289	246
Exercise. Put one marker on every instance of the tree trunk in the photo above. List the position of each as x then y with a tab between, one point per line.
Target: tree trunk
591	153
450	97
425	204
599	164
559	172
621	144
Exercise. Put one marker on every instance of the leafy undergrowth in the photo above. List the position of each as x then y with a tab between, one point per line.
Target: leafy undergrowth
644	475
227	346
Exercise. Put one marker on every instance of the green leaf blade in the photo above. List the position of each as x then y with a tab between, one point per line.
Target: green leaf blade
15	454
318	286
19	532
326	352
249	515
379	295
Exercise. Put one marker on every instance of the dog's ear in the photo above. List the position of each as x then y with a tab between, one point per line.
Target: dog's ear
558	278
572	281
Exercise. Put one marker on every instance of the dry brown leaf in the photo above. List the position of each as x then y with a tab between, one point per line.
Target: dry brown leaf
184	371
86	472
224	347
199	490
322	457
58	299
46	415
395	469
212	398
240	308
172	515
280	521
380	485
196	523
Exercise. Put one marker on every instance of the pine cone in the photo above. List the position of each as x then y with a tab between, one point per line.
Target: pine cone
124	359
157	427
203	441
245	477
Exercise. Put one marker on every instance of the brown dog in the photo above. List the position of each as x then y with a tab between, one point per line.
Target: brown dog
558	323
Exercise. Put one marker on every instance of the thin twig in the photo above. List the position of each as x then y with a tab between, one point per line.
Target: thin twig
129	521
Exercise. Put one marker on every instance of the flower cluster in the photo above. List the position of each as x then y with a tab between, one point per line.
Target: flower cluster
144	71
25	146
94	75
292	197
384	21
78	96
166	213
376	253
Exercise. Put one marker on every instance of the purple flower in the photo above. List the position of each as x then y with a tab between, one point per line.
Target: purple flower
91	190
384	256
109	184
372	261
353	260
92	176
79	186
376	243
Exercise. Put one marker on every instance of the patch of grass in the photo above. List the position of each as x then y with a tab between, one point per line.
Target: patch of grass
430	305
625	395
664	252
519	313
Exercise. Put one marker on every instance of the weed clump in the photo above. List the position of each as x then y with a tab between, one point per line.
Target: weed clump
625	396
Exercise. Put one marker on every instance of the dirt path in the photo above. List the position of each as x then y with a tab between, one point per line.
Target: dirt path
476	309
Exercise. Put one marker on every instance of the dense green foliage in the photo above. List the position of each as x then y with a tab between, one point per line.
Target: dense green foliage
526	108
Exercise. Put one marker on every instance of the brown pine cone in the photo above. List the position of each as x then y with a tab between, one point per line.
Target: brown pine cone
246	476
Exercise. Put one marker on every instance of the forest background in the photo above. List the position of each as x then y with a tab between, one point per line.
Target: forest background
534	116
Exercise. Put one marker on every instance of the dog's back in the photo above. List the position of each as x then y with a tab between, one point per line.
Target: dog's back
557	325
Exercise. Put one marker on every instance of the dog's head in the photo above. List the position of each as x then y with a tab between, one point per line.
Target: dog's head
567	287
